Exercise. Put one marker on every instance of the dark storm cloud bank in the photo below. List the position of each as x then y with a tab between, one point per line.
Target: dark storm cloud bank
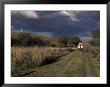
57	23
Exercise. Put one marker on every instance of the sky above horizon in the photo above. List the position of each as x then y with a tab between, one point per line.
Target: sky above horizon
56	23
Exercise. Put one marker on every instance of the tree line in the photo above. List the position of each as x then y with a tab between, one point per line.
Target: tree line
95	34
25	39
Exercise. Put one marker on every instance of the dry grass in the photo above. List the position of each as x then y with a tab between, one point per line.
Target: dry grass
26	58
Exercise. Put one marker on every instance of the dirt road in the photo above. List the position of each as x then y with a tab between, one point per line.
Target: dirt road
75	64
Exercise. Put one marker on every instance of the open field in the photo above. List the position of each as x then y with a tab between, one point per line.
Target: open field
53	61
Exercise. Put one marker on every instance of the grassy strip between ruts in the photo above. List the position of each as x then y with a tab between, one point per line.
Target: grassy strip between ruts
95	65
76	69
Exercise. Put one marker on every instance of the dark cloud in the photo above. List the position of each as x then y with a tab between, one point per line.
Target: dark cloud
58	23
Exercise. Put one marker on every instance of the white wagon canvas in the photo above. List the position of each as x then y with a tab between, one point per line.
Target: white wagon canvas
80	45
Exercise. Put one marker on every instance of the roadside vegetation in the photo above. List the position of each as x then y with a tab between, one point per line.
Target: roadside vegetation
26	58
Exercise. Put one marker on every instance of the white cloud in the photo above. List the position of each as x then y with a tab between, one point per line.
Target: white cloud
32	14
28	14
70	14
65	13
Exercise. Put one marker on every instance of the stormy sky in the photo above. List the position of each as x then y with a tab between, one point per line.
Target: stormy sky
56	23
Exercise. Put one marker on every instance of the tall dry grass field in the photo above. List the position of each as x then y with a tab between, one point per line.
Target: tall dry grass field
25	58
